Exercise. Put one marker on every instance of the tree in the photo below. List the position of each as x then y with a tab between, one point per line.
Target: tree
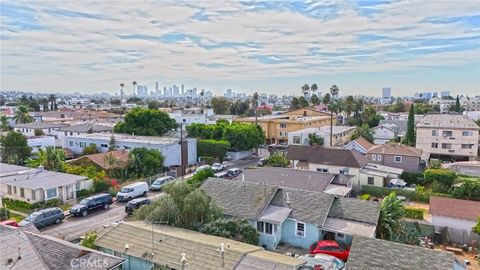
146	162
391	213
21	116
134	83
4	123
295	104
244	136
399	106
334	91
239	107
370	117
409	138
90	149
314	139
314	89
146	122
363	131
212	148
153	105
303	102
220	105
476	228
4	214
305	90
326	99
163	210
278	160
199	209
14	148
197	179
110	160
51	158
349	106
458	107
315	100
89	240
469	190
236	229
112	144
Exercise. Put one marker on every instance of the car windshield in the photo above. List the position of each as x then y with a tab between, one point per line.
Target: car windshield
85	201
126	190
32	217
216	164
339	265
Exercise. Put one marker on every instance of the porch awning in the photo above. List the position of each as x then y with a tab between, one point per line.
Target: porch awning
302	164
350	227
337	190
275	214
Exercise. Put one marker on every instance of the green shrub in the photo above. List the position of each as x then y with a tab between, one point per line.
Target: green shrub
414	213
236	229
84	193
417	196
4	214
197	179
444	177
89	240
101	185
365	197
278	160
25	207
469	190
413	178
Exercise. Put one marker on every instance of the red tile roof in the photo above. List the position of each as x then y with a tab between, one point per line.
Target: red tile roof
455	208
395	149
120	155
364	143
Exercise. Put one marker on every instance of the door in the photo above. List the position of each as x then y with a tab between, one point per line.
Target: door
60	193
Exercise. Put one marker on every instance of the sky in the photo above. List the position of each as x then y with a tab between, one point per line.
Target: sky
265	46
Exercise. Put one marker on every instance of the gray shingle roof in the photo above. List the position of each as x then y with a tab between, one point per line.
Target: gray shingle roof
376	254
239	199
327	156
356	210
307	206
40	125
86	128
285	177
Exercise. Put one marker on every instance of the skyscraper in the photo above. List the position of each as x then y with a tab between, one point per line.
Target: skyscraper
183	90
387	92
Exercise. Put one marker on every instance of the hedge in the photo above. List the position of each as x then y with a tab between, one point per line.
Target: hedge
443	176
413	178
84	193
212	148
417	196
26	207
414	213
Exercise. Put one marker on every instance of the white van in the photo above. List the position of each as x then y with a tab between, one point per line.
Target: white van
132	191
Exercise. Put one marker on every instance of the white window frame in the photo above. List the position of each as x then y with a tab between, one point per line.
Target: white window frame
374	157
467	133
399	161
379	157
368	180
295	141
70	143
304	229
434	132
46	193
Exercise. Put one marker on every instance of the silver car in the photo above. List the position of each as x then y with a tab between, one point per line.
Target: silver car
44	217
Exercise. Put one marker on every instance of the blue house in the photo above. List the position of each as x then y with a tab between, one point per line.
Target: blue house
294	216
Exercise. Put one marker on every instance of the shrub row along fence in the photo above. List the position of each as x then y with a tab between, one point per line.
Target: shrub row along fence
418	196
25	207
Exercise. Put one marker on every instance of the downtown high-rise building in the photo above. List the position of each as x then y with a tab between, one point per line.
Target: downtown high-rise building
386	92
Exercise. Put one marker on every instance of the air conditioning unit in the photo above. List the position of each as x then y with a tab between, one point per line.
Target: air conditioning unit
300	233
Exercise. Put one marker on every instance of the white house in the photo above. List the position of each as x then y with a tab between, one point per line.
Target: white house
37	184
40	142
384	133
361	145
341	135
46	128
458	216
168	146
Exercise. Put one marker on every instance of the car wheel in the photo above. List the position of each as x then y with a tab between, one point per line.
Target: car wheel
106	206
57	221
84	213
144	193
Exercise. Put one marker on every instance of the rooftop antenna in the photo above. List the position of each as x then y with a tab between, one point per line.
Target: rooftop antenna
183	260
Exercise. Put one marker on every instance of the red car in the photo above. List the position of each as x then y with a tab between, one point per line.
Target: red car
10	222
330	247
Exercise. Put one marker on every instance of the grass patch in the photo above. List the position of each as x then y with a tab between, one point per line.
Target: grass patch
16	217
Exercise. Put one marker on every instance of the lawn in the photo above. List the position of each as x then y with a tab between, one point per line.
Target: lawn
16	217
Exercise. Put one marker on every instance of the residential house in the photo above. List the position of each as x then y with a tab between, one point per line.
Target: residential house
396	155
328	160
84	128
99	160
294	216
335	184
28	249
471	168
361	145
447	137
341	135
277	126
64	115
38	128
384	133
144	246
371	253
169	146
37	184
457	216
378	175
189	116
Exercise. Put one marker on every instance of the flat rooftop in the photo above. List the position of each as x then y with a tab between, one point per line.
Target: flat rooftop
129	138
323	130
447	121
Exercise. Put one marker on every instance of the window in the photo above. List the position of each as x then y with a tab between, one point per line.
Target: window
379	157
283	125
104	145
77	185
397	159
66	133
22	192
70	143
126	147
447	133
446	146
283	134
322	170
340	236
434	132
83	144
268	228
374	157
371	180
71	133
265	227
300	231
14	190
51	193
9	189
260	226
467	146
296	139
434	145
467	133
34	195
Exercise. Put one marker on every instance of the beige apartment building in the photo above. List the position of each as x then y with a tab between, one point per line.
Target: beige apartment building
277	127
448	137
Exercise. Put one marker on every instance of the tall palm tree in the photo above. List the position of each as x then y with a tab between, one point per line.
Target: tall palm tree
134	87
305	90
110	160
326	100
349	105
334	92
21	116
51	158
314	88
52	100
4	123
202	93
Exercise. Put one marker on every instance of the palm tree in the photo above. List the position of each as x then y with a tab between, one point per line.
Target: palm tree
134	87
21	116
314	88
305	90
51	158
52	100
326	100
202	93
110	160
349	106
334	92
4	123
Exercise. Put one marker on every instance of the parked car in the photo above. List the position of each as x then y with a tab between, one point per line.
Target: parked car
321	261
262	162
203	167
135	204
44	217
9	222
157	184
233	172
216	167
227	157
99	201
330	247
132	191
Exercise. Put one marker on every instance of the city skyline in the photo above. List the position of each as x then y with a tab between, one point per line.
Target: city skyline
270	47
